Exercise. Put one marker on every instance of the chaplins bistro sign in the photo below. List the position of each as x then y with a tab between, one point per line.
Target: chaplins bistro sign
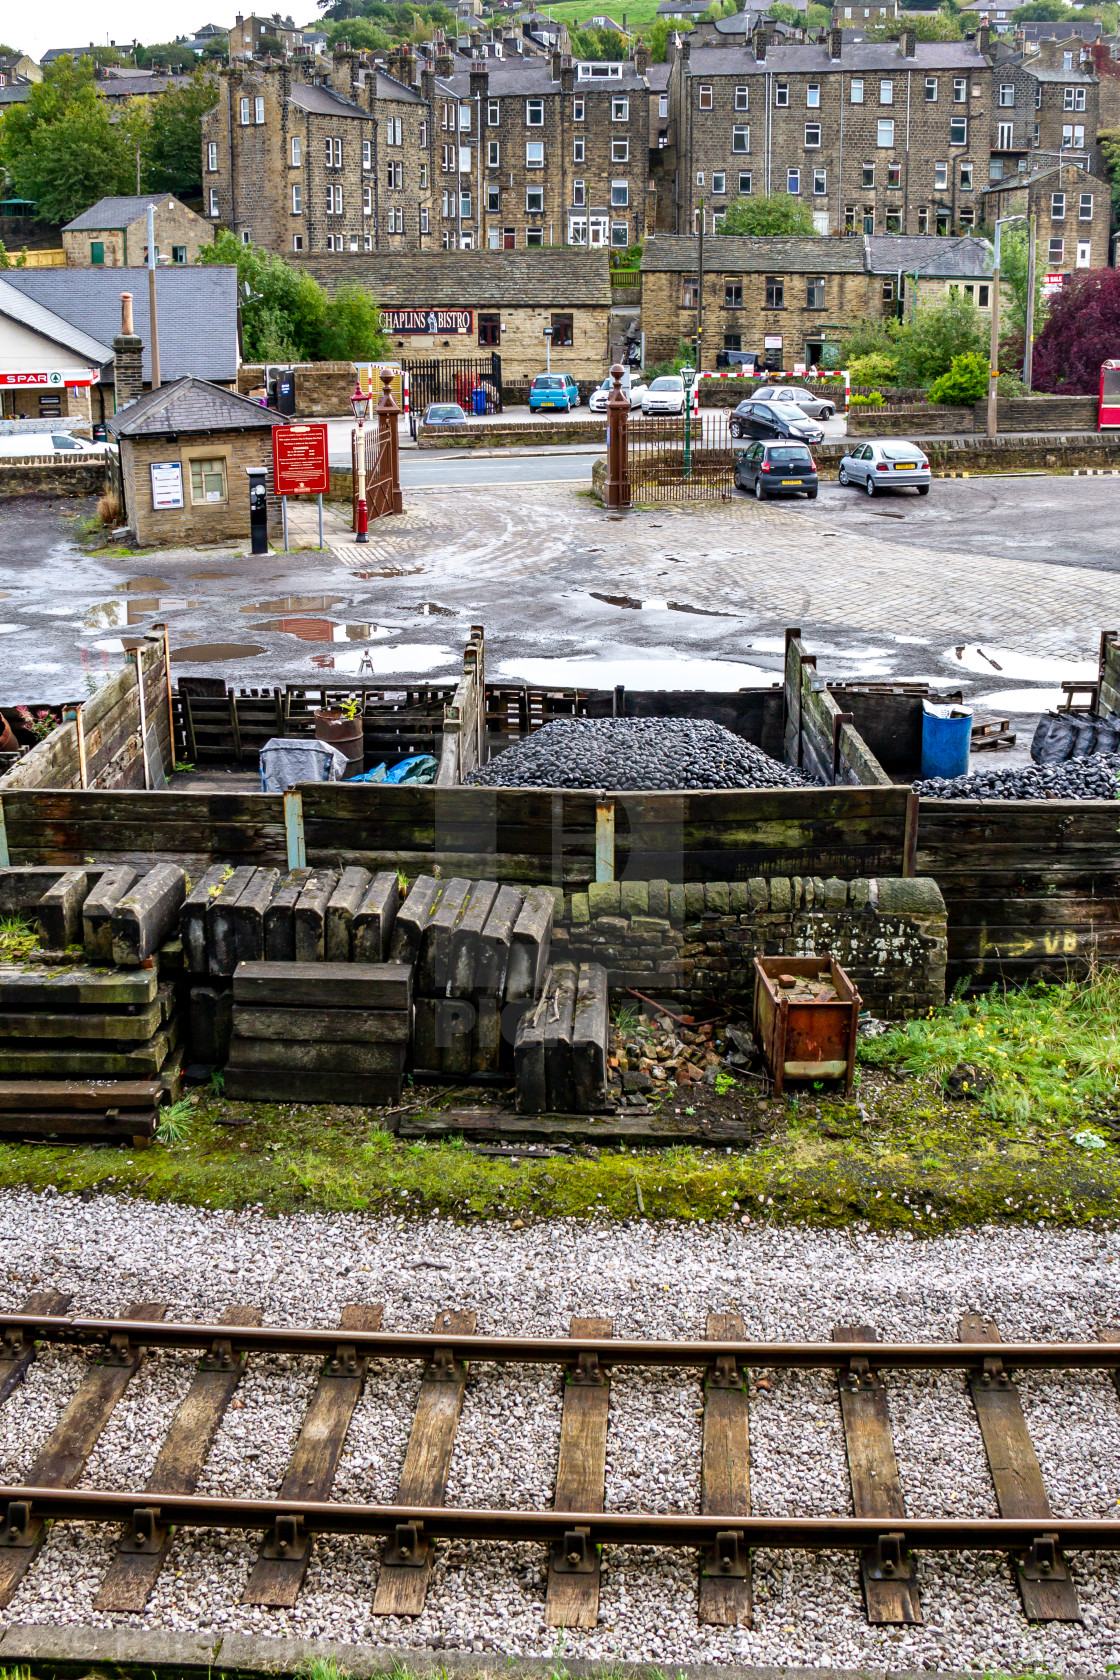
434	321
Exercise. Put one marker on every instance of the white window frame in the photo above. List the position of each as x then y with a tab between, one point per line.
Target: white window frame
1084	254
1085	207
813	96
246	112
579	149
820	182
1056	249
960	90
1057	206
884	130
620	195
1005	136
781	95
719	182
941	177
579	194
966	177
258	110
367	154
534	113
746	175
931	90
493	154
1006	93
534	154
212	156
886	91
741	139
367	200
424	225
742	101
855	91
704	97
493	201
620	151
214	210
793	181
537	193
493	113
620	107
812	136
958	131
578	110
297	199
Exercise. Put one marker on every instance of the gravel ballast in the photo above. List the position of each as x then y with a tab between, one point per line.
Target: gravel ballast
653	1281
1097	777
628	754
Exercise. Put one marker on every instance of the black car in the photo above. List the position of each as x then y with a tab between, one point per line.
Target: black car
773	420
777	469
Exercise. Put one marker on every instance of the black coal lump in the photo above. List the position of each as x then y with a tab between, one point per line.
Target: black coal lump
630	754
1096	777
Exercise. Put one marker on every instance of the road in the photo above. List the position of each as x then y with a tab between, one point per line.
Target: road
420	472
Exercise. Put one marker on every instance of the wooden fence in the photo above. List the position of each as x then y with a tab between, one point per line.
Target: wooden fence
820	737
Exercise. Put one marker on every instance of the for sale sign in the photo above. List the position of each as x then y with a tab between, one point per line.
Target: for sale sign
299	460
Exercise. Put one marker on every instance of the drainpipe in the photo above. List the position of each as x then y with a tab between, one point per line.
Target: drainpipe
840	164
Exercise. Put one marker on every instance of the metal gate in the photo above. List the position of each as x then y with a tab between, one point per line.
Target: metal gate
455	380
383	491
681	460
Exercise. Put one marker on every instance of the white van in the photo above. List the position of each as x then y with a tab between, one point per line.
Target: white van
46	443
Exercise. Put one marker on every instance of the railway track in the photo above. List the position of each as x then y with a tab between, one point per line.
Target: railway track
576	1527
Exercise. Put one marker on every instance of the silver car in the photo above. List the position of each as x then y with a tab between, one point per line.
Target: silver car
886	464
817	408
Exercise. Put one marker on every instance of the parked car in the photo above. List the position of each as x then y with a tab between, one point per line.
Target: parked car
553	390
48	443
886	464
817	408
773	420
634	387
777	469
444	414
666	395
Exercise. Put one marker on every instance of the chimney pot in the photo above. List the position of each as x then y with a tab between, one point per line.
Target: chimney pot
127	327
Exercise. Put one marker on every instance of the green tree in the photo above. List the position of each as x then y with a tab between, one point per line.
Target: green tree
352	330
217	47
1109	141
175	152
166	55
1045	11
362	34
817	17
595	43
1014	269
768	214
925	347
284	312
659	40
965	382
63	147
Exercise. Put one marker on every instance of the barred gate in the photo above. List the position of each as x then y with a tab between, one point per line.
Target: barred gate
383	494
679	460
455	380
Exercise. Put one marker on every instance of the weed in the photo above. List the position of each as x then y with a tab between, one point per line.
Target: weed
173	1122
217	1082
182	766
326	1668
18	938
725	1082
626	1018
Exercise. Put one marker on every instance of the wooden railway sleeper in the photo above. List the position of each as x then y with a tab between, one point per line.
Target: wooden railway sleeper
727	1558
888	1559
145	1533
574	1554
287	1538
19	1527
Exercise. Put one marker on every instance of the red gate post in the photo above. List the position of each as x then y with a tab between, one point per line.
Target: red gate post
387	412
618	418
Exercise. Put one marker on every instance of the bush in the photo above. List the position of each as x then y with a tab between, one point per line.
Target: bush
875	400
966	382
875	369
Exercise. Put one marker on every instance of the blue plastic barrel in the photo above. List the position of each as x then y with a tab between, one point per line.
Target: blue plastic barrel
946	740
479	397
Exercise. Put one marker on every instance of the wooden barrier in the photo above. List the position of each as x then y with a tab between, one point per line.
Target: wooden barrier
463	746
1109	691
819	737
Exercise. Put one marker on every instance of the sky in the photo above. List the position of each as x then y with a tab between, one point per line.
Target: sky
74	23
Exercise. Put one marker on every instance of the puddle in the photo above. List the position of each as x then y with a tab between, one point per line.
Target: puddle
41	666
656	605
987	661
430	609
143	583
413	658
1022	700
209	574
106	615
208	651
324	629
6	629
913	641
389	571
295	604
667	671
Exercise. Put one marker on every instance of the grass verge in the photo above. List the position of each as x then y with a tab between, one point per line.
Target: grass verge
1033	1135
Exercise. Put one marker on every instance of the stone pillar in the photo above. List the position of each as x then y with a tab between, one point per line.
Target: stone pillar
128	357
618	418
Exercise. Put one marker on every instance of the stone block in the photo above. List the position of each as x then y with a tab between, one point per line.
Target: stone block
915	896
717	897
634	898
859	893
603	898
739	897
693	899
676	904
659	898
581	909
808	892
818	892
779	894
760	892
613	927
795	892
835	893
649	927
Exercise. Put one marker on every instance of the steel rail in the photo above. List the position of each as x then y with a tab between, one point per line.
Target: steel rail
27	1504
18	1329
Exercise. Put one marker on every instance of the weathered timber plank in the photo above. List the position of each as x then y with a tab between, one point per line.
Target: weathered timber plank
279	917
15	1359
402	1588
573	1599
133	1573
439	936
291	1085
406	939
75	988
387	1026
467	943
374	917
558	1022
343	907
530	944
876	1488
310	915
104	1028
725	1482
275	1580
249	915
1020	1490
275	1054
61	1459
77	1093
325	985
221	921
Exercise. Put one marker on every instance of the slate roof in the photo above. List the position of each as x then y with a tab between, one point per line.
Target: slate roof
197	312
1010	183
780	254
549	278
929	256
534	75
1089	29
658	77
115	212
1054	75
125	87
15	306
325	102
190	405
804	57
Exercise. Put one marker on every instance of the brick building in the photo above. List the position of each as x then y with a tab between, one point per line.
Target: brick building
452	305
325	155
1073	210
875	137
1047	102
113	233
558	153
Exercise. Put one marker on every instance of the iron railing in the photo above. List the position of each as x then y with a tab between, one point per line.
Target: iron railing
455	380
680	460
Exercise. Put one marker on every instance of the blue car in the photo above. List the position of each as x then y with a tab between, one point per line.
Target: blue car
553	390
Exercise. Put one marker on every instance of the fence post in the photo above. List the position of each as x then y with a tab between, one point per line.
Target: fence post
604	839
5	860
618	419
293	829
387	412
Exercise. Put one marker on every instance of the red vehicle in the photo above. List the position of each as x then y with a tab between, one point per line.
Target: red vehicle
1110	396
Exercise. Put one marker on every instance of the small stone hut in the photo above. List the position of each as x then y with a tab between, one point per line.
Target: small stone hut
186	449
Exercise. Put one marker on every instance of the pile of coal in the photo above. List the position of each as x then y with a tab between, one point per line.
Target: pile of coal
620	754
1097	777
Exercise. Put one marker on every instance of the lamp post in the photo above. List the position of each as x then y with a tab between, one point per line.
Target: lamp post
993	363
688	374
360	402
548	349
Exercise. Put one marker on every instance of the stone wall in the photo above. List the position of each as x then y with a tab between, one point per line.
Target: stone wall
514	435
1012	452
697	942
1017	414
197	522
914	420
51	475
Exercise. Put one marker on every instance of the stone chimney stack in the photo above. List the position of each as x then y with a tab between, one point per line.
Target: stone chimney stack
642	57
557	65
909	42
480	84
128	357
835	44
758	43
443	62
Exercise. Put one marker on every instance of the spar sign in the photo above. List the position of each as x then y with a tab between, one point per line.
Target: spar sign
51	377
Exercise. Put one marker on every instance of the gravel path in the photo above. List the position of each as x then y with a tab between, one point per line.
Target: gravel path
653	1281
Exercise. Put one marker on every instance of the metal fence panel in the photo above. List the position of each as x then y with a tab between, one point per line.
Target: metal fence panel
681	460
455	380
